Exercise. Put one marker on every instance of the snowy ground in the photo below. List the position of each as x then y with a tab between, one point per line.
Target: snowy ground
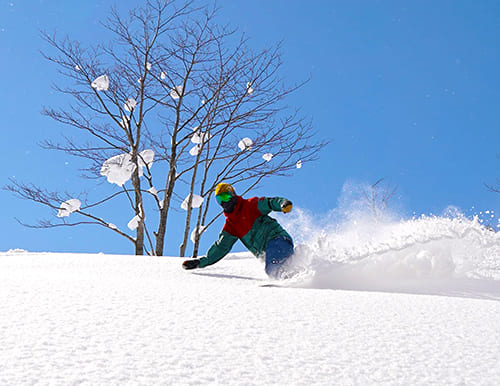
93	319
392	316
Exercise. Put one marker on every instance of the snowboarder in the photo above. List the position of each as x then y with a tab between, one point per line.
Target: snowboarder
248	220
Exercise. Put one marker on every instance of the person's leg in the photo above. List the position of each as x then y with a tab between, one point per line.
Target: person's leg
277	252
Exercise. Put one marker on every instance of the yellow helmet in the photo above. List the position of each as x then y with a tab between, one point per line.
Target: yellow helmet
223	188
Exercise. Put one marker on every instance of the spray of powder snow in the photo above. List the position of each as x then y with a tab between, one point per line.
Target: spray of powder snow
355	248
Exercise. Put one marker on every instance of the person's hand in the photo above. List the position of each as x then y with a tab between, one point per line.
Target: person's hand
286	207
191	264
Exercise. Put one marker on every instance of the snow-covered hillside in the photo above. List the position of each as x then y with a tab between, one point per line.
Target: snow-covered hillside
414	303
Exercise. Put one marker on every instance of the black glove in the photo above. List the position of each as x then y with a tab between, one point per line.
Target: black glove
191	264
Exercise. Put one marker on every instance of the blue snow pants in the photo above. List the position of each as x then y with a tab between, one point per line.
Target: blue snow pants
277	253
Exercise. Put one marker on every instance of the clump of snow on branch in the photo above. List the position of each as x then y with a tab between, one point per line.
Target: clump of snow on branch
245	144
118	169
267	157
130	104
298	164
197	230
195	202
163	75
125	123
101	83
154	192
68	207
148	66
176	92
249	88
199	136
134	223
195	150
146	158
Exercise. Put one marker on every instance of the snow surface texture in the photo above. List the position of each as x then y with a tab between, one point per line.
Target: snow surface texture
401	303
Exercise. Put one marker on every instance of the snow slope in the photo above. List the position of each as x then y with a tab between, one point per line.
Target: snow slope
99	319
415	302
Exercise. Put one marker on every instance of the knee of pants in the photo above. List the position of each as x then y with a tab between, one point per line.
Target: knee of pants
277	252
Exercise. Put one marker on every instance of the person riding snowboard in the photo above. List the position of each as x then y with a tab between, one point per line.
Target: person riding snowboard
248	221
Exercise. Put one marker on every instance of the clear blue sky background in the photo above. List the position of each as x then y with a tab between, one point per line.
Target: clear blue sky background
407	90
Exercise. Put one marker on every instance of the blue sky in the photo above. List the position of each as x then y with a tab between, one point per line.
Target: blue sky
406	90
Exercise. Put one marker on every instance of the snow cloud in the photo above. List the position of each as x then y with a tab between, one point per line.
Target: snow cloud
351	248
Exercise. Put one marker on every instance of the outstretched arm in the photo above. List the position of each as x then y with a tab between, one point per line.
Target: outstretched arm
216	252
278	204
219	249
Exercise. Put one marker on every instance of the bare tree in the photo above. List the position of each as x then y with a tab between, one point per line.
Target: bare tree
377	197
174	84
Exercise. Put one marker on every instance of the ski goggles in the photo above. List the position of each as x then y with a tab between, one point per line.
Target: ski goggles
224	197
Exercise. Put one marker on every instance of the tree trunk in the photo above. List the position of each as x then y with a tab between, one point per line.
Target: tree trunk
139	211
139	244
162	226
190	208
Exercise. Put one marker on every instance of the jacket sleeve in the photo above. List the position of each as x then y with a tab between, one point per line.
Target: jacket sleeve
268	204
219	249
